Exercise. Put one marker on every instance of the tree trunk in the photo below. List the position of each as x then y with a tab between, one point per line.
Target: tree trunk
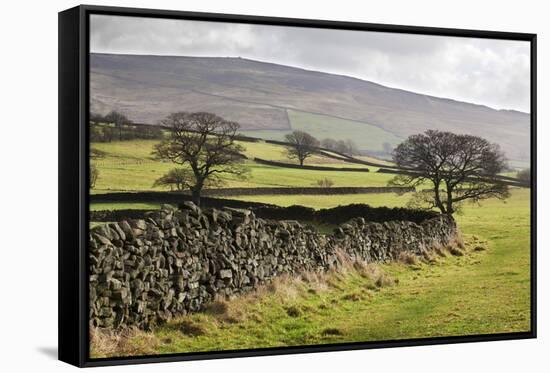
450	209
438	198
196	196
301	161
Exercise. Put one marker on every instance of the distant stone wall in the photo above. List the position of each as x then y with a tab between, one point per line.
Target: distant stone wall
309	167
144	272
304	190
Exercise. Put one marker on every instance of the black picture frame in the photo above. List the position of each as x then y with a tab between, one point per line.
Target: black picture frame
73	180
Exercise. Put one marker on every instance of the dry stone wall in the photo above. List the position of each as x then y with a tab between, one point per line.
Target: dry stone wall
144	272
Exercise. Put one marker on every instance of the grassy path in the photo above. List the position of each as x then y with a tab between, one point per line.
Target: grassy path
481	292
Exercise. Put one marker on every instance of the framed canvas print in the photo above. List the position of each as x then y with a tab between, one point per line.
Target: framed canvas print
235	186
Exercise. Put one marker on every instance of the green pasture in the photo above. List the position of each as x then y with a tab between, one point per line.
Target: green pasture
129	166
272	152
100	206
366	136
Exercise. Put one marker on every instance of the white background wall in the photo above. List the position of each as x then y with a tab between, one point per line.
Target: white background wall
28	184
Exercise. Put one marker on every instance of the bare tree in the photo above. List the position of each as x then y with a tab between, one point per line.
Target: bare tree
459	167
204	143
94	175
118	120
302	145
94	171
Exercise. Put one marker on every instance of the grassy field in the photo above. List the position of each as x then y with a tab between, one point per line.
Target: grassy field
123	206
366	136
484	291
129	166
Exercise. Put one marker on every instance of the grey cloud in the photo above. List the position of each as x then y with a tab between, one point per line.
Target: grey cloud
489	72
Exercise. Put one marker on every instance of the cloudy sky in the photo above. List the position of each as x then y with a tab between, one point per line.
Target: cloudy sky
489	72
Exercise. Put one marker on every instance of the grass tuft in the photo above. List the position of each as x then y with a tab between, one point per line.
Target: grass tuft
455	251
384	280
354	297
293	311
458	240
217	307
407	258
332	331
190	327
440	251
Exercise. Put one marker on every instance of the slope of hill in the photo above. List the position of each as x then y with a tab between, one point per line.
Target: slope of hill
265	96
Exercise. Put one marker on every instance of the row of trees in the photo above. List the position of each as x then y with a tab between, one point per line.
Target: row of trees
304	145
347	147
116	126
115	118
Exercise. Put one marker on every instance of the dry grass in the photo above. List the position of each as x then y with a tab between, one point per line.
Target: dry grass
229	311
316	281
476	244
440	250
458	240
346	263
429	257
460	246
128	342
285	287
407	258
453	250
383	280
456	246
287	290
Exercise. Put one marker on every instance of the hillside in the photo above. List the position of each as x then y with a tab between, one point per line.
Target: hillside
269	100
